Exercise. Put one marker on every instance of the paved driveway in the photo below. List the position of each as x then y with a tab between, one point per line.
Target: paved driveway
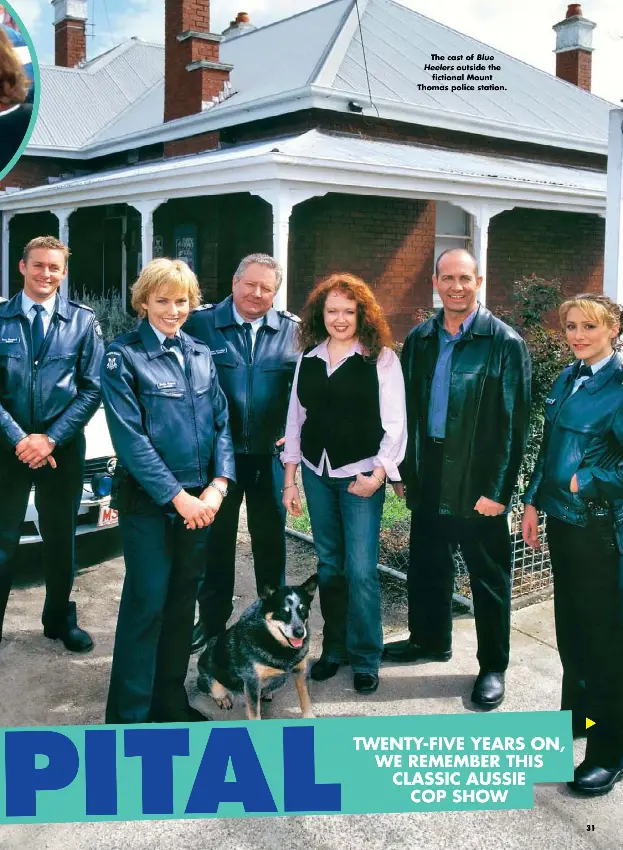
43	684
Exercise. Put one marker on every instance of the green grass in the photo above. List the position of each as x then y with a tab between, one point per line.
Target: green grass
394	512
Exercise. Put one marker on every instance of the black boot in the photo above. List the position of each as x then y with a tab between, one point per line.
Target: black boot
592	780
68	630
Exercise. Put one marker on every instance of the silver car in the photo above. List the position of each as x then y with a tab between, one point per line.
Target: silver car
95	512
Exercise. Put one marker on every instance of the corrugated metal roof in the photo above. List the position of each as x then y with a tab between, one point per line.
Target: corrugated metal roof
285	55
383	156
399	42
340	156
78	104
121	92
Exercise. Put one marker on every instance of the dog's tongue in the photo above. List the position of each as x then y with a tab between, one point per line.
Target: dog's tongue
297	643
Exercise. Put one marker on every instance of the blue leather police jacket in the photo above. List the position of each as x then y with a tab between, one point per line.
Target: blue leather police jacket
583	435
257	394
58	396
169	426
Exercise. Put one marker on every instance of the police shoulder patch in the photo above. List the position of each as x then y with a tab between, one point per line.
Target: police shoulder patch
288	315
113	362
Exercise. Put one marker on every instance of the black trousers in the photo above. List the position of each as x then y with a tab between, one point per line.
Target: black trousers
486	547
57	499
259	479
588	606
163	562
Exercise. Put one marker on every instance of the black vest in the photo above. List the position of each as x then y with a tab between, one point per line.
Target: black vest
343	411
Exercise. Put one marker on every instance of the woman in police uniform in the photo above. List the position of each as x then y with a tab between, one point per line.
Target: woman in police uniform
167	418
578	483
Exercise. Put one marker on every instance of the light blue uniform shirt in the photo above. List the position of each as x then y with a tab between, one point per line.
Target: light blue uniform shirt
440	389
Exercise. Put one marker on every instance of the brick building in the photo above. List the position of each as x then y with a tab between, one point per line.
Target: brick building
282	139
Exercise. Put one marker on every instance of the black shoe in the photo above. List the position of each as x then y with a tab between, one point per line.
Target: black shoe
75	639
488	690
366	683
589	779
199	638
323	669
68	630
406	650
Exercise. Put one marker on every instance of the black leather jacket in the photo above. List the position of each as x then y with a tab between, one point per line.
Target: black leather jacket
583	435
59	395
488	413
258	394
169	430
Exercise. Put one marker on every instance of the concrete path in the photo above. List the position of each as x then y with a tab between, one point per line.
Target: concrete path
43	684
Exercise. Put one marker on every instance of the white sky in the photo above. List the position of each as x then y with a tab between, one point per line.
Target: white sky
522	28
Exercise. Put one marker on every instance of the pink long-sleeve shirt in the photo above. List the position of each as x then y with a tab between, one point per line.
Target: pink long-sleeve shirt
393	418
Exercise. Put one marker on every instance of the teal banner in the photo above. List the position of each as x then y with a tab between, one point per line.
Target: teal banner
275	767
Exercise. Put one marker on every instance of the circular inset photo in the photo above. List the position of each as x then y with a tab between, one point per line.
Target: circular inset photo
18	87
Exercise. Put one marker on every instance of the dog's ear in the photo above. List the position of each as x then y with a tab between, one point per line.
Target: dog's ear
310	585
267	591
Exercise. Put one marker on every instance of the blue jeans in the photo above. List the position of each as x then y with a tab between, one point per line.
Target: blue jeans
346	538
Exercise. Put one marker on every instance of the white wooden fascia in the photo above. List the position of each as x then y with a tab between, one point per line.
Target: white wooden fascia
305	177
316	96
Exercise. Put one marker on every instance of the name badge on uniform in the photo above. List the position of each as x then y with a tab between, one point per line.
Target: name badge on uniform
219	351
167	385
550	401
10	339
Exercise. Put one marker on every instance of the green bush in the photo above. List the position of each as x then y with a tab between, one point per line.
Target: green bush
534	316
110	313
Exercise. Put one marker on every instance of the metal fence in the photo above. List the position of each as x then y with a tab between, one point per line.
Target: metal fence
531	569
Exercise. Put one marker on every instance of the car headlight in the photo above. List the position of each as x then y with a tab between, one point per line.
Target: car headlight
101	484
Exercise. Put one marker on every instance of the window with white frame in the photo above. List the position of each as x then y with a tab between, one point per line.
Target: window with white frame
453	229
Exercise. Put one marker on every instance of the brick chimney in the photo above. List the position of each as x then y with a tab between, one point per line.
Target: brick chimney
574	48
193	74
238	27
70	39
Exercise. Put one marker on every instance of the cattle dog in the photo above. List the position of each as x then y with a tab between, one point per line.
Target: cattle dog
256	654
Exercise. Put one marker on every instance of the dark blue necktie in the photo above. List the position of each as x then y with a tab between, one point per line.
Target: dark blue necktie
38	333
172	342
248	340
585	372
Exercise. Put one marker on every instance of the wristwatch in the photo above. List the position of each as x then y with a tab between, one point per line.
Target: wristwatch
51	441
221	489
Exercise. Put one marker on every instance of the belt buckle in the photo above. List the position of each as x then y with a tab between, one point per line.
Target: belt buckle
437	440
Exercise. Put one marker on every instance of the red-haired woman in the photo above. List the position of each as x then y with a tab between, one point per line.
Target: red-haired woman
347	424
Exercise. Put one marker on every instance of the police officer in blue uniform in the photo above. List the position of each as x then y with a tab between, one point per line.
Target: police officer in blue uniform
578	483
168	422
50	355
254	349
